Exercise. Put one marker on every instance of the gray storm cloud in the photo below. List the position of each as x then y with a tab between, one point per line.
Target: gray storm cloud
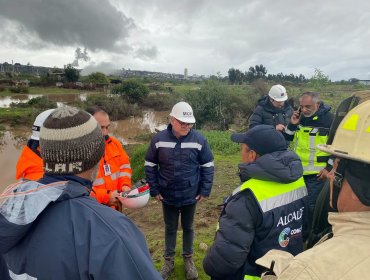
94	24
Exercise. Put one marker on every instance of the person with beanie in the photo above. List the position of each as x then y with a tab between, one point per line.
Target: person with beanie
114	174
272	109
267	211
53	229
345	253
29	165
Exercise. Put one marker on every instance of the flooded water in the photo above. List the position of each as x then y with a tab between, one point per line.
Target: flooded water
60	99
12	142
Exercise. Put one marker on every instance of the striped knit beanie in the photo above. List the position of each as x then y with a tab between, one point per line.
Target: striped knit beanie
71	141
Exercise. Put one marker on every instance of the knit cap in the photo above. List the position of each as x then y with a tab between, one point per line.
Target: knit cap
71	141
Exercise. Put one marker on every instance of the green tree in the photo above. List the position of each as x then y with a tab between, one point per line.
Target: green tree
71	74
132	90
98	78
319	79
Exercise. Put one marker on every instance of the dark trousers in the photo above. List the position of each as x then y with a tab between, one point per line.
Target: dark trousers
171	219
314	188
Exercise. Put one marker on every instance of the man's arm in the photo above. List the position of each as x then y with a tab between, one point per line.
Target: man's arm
207	170
151	168
256	118
233	239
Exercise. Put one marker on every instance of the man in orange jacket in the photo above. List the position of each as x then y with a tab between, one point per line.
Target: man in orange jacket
115	172
30	165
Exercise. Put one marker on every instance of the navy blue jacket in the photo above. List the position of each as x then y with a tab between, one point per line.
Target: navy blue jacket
246	232
55	230
266	113
179	169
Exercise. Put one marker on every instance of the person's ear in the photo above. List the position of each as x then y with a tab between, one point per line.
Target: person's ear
253	155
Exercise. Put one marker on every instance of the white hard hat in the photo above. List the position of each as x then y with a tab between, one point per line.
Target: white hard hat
38	123
352	137
136	198
183	112
278	93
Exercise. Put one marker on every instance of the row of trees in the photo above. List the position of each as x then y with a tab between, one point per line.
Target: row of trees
260	72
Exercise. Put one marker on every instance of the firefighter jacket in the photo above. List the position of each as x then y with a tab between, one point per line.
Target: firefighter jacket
267	211
30	164
114	171
345	256
179	169
53	229
266	113
310	132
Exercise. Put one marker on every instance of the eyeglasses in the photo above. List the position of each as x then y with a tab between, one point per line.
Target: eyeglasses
184	124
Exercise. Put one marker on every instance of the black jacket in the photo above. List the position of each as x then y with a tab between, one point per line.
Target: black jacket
242	216
266	113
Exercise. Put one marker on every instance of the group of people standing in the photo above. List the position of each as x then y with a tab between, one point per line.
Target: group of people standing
57	222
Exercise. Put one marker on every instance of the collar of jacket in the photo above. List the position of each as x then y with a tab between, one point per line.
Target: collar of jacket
169	129
281	166
51	178
350	223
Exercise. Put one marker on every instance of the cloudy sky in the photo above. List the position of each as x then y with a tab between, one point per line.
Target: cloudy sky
205	36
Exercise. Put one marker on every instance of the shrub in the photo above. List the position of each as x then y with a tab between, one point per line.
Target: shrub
216	107
116	107
132	90
19	89
160	102
137	155
42	103
2	88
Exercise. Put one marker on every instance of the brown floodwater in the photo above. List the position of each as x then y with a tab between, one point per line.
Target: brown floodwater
13	140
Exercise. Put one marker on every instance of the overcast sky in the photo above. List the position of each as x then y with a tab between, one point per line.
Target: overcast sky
205	36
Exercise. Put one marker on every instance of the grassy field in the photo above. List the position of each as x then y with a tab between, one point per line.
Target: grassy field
150	219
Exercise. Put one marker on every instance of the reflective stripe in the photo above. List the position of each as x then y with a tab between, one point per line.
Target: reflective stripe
311	158
271	195
99	181
125	166
23	276
305	141
191	145
162	144
123	174
331	161
150	164
289	132
208	164
283	199
250	277
311	168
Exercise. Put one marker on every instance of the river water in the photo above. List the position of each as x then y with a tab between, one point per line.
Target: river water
13	140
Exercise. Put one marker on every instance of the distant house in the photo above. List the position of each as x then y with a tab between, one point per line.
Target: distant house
364	82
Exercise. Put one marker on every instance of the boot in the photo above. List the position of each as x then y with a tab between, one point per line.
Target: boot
167	268
190	269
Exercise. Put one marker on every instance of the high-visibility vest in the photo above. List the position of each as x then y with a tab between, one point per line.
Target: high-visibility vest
119	174
282	206
304	144
29	165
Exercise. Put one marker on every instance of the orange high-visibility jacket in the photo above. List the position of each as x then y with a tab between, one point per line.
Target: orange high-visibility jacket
29	165
120	169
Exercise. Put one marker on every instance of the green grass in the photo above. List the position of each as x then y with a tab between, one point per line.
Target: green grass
150	218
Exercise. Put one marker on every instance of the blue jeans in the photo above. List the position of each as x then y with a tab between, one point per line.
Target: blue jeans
171	219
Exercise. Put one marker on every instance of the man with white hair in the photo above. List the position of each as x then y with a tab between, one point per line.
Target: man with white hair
179	169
